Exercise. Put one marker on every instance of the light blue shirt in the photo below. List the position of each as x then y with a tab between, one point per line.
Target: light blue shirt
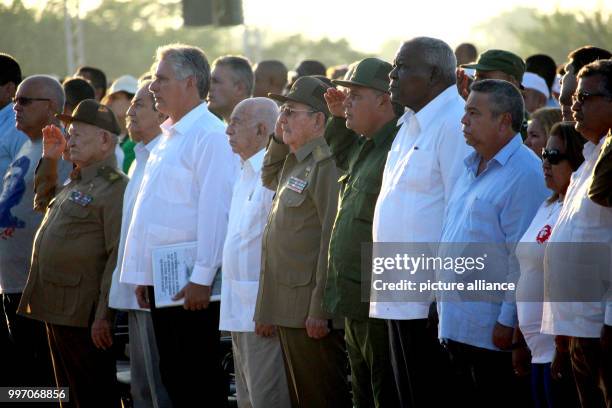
494	207
11	139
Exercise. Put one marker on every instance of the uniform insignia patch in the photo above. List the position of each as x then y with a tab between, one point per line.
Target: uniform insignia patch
80	198
296	184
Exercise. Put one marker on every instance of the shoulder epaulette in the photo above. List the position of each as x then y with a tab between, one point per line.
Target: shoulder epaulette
110	174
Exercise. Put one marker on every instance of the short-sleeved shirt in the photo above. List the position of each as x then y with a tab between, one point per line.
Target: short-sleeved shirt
18	220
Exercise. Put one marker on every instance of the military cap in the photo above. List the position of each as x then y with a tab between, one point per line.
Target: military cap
93	113
500	60
307	90
370	73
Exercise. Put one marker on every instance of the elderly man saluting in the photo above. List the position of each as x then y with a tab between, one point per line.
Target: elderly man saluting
75	250
301	170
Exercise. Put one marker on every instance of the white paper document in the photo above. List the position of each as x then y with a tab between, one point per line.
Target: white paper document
172	267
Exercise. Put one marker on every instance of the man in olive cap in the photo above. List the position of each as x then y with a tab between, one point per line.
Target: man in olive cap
299	166
495	64
360	134
75	250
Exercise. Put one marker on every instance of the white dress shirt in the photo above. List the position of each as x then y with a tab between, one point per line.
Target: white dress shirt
580	221
424	162
185	196
122	295
251	203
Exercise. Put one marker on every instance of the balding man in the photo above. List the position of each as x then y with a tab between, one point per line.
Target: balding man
258	360
75	250
37	100
231	82
270	77
422	167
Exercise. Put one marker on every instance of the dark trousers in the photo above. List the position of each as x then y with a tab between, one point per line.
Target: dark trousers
485	377
189	355
316	369
367	344
592	367
29	362
420	365
90	372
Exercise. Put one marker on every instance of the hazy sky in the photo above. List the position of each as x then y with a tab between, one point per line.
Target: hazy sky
368	24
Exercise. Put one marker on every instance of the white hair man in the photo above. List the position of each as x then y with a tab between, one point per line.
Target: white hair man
146	387
184	197
258	360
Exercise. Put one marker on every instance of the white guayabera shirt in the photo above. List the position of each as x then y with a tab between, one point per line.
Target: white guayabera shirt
424	162
568	260
251	204
185	196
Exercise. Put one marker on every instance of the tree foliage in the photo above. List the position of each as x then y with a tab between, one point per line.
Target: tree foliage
527	31
121	37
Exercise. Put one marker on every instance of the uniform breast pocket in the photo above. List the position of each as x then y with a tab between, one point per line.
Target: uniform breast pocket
366	193
292	213
74	220
175	185
418	172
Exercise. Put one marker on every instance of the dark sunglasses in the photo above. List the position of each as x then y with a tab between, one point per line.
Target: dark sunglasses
582	96
553	156
24	101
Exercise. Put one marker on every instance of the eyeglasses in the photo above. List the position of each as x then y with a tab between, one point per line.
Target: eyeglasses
553	156
25	101
582	96
287	111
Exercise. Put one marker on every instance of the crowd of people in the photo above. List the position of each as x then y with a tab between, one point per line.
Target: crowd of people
286	182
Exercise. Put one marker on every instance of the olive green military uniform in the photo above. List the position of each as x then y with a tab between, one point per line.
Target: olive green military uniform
294	262
600	190
294	269
75	250
366	338
73	258
362	160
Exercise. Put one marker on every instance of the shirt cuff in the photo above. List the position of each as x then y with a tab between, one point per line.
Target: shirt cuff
507	315
203	275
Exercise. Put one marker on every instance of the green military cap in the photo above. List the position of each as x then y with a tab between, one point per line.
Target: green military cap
307	90
499	60
93	113
369	72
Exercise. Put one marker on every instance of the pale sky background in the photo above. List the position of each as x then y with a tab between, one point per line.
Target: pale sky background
367	24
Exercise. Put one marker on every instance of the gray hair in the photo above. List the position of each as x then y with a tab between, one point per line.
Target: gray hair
504	97
241	68
145	84
262	110
438	54
51	88
186	61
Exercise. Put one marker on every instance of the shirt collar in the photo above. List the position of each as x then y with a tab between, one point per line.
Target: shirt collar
255	162
143	150
430	111
88	173
305	150
501	157
185	123
384	132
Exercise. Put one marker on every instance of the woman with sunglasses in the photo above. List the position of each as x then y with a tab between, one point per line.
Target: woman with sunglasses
540	123
561	156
